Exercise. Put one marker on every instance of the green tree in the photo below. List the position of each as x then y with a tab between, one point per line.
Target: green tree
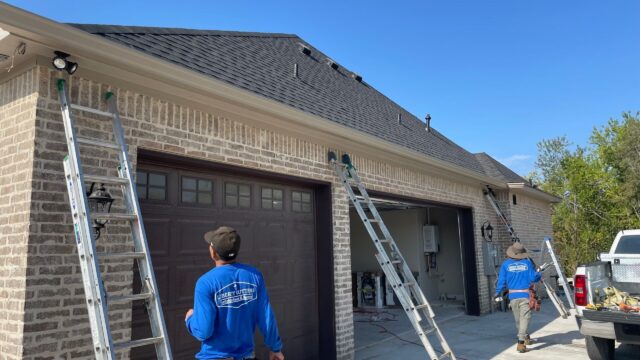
599	185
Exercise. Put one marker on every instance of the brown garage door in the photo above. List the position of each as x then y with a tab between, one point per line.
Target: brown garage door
276	222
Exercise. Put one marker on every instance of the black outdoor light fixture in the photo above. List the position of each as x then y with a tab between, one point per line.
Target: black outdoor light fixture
487	231
60	62
100	202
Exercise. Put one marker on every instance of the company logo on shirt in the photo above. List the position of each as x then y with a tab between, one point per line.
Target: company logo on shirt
518	267
236	295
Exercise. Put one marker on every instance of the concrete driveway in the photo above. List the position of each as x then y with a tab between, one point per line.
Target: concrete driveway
388	335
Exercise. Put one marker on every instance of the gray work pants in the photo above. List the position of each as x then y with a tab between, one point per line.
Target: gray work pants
522	315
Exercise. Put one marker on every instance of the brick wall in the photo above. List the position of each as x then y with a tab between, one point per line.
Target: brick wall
18	97
55	319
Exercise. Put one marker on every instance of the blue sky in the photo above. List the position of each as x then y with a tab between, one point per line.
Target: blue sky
496	76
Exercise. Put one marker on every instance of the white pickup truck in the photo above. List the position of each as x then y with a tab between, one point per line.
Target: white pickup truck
620	268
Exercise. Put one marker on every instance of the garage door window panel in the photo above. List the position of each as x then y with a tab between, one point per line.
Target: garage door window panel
272	198
301	201
237	195
151	186
197	191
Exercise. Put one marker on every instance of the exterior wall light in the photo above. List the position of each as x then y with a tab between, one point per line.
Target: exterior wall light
100	202
487	231
60	62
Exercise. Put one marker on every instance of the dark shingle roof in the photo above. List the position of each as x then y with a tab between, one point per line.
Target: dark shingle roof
263	63
497	170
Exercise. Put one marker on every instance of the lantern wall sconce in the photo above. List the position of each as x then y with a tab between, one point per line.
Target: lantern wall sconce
487	231
100	202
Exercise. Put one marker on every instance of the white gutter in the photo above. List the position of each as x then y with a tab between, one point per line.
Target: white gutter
82	44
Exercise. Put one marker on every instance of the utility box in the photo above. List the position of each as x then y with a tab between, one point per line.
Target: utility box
492	258
431	239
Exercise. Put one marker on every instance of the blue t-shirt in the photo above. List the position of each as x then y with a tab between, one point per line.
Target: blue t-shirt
230	300
516	275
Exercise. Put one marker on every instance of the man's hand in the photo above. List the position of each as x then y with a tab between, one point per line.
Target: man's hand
276	356
498	299
189	313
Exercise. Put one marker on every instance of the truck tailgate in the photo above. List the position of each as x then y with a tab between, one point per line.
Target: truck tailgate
612	316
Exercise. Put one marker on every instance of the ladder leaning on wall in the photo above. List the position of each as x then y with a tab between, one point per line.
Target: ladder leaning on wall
83	217
395	268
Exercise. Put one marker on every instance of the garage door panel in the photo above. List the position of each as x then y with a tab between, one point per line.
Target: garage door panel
272	237
281	244
187	277
157	230
189	240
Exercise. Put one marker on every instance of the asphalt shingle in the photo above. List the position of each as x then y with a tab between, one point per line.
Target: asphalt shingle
263	63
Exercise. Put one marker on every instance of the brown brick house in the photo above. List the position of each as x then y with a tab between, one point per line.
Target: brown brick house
226	128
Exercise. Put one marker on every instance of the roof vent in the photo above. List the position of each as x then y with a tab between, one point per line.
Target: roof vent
428	120
357	77
305	49
399	119
333	64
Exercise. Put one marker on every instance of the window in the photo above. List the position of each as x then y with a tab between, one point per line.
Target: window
237	195
301	201
628	244
151	186
197	191
271	198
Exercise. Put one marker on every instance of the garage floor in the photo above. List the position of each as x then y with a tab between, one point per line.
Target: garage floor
478	338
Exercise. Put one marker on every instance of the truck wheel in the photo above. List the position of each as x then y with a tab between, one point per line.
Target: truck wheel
599	348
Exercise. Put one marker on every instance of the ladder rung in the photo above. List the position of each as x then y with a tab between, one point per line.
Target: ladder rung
101	143
396	261
384	240
137	343
106	179
111	216
372	220
133	297
411	283
446	355
423	306
91	110
122	255
428	332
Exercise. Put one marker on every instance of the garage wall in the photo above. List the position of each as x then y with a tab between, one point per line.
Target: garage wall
18	97
447	277
157	124
404	225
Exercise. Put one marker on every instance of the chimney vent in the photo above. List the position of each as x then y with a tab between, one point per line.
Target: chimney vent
428	120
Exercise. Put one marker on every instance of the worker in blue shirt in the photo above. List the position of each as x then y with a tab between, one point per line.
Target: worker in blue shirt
517	274
229	301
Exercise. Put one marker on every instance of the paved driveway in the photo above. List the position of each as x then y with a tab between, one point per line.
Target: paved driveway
389	336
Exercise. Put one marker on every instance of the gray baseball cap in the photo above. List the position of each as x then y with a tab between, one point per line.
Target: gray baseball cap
225	241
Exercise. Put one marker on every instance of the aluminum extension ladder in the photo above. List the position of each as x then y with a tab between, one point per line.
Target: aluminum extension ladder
557	303
488	193
97	298
395	268
545	248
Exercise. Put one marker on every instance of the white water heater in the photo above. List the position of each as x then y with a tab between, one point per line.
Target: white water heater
430	239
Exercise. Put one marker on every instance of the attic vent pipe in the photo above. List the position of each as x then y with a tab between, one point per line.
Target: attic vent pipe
295	70
305	50
428	120
399	119
357	77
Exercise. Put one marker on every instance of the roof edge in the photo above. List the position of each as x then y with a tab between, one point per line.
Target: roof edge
126	29
534	192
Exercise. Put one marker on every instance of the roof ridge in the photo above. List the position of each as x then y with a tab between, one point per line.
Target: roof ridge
125	29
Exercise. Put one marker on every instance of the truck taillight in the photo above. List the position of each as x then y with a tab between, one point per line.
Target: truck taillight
580	287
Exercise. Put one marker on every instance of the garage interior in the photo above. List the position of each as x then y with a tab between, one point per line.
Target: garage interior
431	238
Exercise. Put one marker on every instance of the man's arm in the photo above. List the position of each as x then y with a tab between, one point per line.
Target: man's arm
201	323
267	320
535	276
502	280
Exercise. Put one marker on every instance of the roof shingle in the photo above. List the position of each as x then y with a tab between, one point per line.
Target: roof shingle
263	63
